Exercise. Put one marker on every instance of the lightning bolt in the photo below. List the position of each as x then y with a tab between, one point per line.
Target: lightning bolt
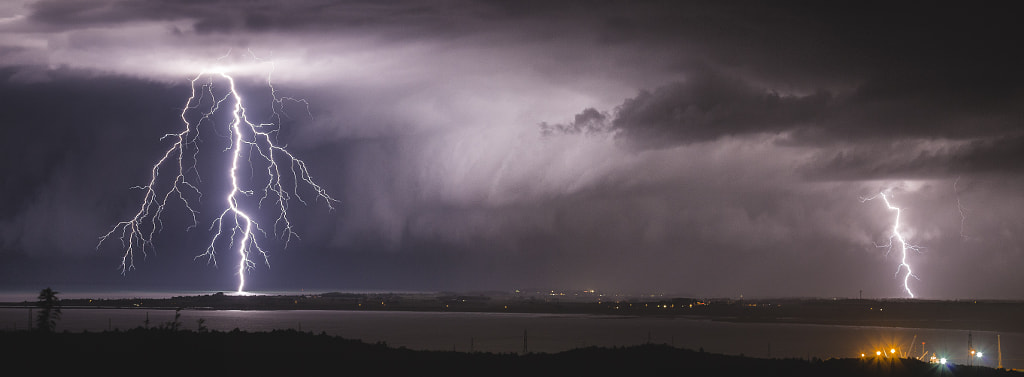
960	208
251	144
904	246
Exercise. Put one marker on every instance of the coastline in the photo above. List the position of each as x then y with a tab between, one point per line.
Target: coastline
1002	316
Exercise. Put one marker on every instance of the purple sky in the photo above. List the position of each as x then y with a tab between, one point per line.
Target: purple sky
701	148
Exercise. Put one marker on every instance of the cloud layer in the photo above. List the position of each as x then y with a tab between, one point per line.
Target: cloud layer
704	149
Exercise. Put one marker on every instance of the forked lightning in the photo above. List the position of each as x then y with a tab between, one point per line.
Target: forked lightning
903	244
253	145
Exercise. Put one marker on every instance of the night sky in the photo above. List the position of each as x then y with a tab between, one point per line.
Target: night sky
705	148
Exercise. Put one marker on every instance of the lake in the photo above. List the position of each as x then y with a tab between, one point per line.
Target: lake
504	332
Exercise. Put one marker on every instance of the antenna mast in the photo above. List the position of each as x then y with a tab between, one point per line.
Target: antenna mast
999	346
970	349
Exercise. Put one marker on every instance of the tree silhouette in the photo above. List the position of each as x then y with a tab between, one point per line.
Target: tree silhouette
49	310
175	324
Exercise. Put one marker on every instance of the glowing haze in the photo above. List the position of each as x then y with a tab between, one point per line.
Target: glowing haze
706	149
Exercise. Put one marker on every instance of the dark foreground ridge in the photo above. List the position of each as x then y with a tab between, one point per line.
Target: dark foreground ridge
290	352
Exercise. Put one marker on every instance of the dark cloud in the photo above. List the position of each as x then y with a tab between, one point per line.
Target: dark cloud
588	121
708	107
238	16
80	14
919	159
822	73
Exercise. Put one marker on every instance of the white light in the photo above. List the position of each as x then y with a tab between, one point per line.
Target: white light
904	245
979	354
942	360
259	145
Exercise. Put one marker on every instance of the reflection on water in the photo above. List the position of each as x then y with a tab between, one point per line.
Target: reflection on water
504	332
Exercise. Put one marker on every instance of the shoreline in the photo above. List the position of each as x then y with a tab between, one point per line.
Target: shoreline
946	315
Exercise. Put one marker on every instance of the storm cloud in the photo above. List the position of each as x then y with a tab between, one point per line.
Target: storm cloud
694	148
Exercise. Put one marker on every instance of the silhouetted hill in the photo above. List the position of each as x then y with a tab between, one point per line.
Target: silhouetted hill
289	352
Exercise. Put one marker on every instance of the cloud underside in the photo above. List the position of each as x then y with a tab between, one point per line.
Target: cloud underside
538	134
856	136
